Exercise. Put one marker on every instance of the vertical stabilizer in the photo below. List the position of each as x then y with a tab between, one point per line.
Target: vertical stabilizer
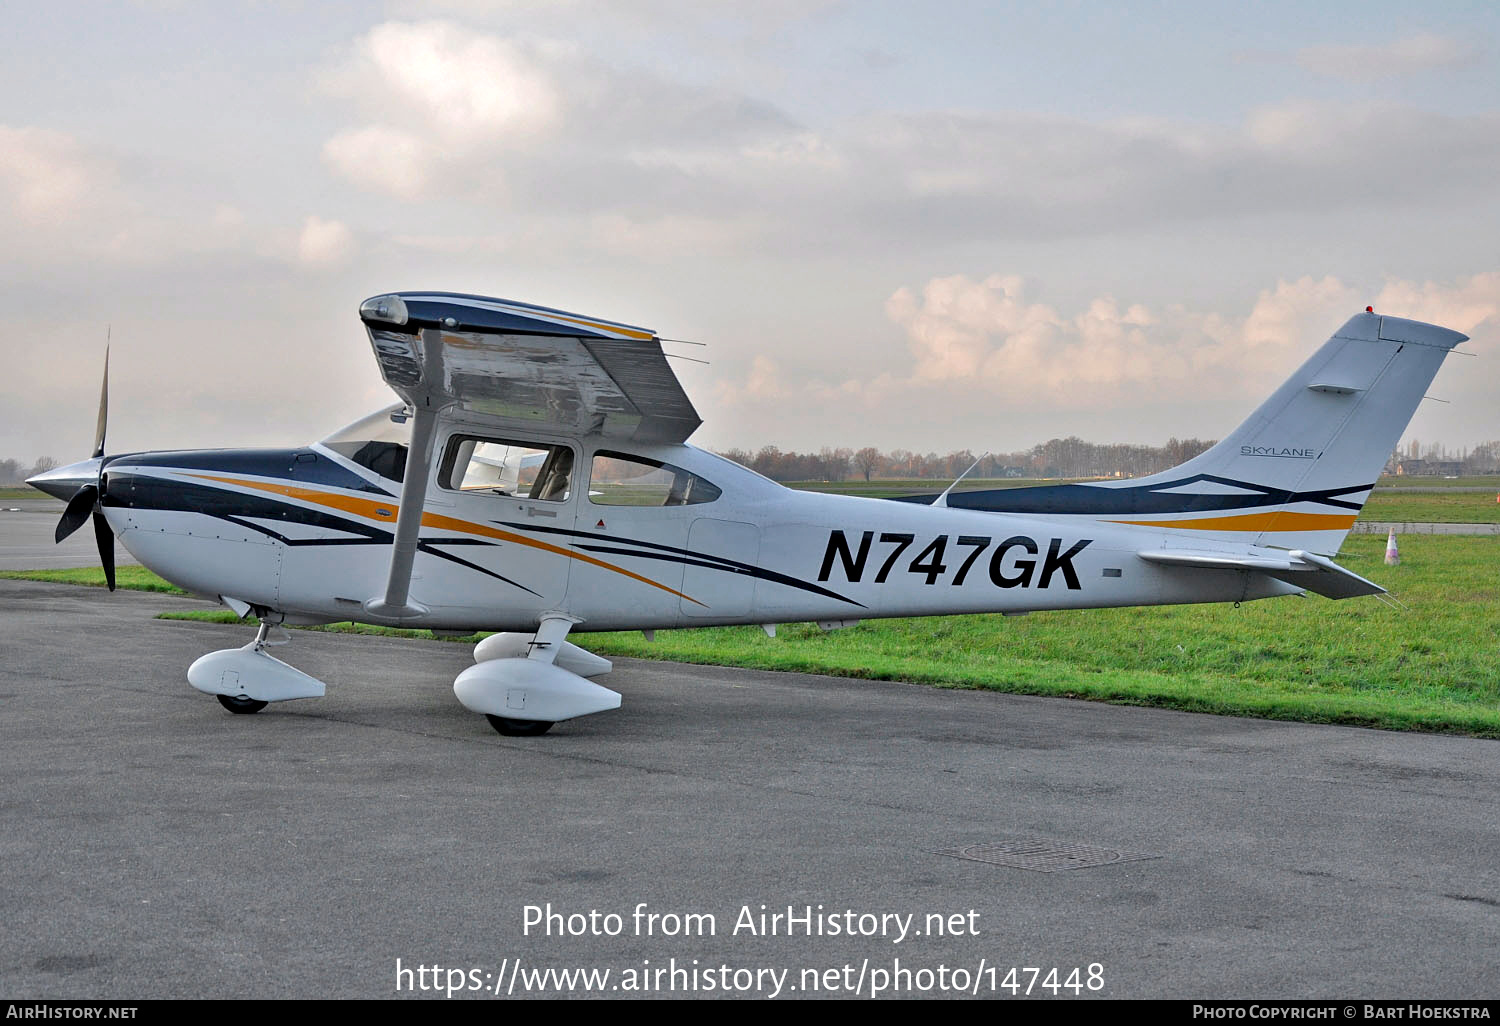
1297	472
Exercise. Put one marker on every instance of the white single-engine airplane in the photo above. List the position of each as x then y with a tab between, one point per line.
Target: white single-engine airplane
535	480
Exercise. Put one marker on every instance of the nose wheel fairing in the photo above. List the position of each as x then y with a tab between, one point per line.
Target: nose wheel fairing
249	675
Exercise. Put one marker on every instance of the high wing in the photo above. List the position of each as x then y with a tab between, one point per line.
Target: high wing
514	365
528	365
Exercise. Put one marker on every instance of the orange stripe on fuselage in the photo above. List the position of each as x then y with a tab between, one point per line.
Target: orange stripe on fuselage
376	510
1255	522
371	508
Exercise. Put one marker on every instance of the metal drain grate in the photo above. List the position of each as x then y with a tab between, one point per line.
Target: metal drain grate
1042	856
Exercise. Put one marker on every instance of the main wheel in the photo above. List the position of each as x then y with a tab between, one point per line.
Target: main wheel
241	705
519	728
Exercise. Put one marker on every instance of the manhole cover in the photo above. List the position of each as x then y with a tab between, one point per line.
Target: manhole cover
1042	856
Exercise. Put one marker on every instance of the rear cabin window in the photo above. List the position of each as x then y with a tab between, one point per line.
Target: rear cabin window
618	479
529	470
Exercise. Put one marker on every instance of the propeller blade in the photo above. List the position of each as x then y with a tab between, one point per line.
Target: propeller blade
103	408
79	507
106	539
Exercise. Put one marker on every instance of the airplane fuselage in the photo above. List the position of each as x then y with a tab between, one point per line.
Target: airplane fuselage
306	533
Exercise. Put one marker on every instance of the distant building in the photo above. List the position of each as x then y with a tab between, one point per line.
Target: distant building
1430	468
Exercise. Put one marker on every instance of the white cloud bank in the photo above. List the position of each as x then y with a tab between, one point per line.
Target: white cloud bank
72	210
543	129
985	333
978	344
448	112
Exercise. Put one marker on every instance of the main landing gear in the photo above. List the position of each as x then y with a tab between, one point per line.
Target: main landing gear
241	705
519	728
525	683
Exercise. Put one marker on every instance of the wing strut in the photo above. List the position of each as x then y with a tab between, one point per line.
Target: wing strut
396	604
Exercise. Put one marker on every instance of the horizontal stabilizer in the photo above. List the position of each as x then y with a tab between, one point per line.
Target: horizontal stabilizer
1302	569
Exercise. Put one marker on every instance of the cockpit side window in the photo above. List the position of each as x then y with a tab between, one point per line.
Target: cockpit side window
619	479
531	470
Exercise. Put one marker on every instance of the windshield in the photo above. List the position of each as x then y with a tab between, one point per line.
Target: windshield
377	441
374	427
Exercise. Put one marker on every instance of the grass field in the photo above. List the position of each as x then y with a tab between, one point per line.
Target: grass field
1490	483
1446	507
1432	664
130	578
23	492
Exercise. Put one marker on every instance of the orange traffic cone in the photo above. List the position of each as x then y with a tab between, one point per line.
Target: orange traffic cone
1392	556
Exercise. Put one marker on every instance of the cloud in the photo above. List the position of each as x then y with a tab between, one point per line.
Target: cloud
1366	62
497	120
383	159
504	121
446	101
988	175
985	333
601	142
47	175
324	244
456	83
65	203
756	18
980	348
562	141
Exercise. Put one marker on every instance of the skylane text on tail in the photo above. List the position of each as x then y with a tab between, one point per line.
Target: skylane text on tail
535	480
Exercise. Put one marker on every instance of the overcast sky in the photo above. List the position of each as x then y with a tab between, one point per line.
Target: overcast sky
933	226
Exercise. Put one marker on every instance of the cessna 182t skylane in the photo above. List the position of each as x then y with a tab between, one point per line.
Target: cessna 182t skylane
535	480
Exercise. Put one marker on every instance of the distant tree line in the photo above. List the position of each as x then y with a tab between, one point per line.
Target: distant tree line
1059	457
1435	459
14	473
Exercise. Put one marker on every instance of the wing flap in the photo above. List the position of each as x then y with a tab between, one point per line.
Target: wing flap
1303	569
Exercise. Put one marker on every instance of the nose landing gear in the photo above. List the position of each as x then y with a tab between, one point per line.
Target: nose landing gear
245	680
